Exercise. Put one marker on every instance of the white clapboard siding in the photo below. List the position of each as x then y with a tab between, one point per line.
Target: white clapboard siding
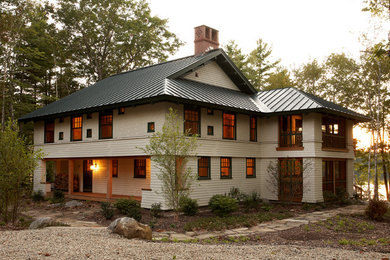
212	74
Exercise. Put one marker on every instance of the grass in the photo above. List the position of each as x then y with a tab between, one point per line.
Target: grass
364	242
344	224
229	222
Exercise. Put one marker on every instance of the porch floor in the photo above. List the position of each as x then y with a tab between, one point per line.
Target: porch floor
99	196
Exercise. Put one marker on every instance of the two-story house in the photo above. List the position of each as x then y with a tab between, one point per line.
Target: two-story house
94	135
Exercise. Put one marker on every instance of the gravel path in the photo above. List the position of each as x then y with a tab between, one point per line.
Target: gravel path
99	243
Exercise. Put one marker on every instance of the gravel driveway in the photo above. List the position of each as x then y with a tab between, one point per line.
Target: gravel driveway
99	243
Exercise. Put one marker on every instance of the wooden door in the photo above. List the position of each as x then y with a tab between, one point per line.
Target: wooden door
290	180
87	176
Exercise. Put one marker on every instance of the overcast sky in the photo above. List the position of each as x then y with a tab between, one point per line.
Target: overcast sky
298	30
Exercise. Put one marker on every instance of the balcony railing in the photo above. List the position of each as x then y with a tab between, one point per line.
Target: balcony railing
290	139
333	141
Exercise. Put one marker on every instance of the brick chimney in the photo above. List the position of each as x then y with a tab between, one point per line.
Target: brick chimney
206	39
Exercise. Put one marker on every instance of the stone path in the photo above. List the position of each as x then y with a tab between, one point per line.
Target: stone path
272	226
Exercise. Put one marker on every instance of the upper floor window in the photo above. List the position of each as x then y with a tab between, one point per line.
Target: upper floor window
114	168
105	125
290	127
49	131
229	125
140	168
191	121
253	129
77	126
333	132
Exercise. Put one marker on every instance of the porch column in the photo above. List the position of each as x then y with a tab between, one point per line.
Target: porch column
40	177
109	180
70	176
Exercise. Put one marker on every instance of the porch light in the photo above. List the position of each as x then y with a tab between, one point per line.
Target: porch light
94	166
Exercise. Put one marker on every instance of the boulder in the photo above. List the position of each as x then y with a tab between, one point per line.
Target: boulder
42	222
130	228
73	203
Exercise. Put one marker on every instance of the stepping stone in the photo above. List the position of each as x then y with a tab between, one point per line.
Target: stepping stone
262	230
206	236
239	229
190	233
282	228
180	237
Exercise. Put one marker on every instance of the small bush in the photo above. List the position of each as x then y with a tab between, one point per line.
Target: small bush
107	210
155	210
235	193
130	208
58	197
252	201
188	206
266	207
376	209
37	196
223	205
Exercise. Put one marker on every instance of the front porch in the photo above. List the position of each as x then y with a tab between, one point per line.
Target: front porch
96	179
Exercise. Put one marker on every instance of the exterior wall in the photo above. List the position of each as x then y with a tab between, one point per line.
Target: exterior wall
212	74
130	134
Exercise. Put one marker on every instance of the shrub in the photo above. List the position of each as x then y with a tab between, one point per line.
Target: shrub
235	193
58	197
188	206
130	208
155	210
376	209
107	210
38	196
266	207
223	205
252	201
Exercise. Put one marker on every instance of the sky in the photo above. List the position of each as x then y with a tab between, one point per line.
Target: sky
298	31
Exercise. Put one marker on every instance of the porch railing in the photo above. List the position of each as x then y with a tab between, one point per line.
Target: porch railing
333	141
290	139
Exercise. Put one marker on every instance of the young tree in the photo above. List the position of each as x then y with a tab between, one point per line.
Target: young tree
17	163
279	79
170	150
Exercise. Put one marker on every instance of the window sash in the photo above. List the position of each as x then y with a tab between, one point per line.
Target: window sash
290	134
229	125
105	125
139	168
253	129
191	121
114	168
226	167
250	167
49	132
77	125
204	168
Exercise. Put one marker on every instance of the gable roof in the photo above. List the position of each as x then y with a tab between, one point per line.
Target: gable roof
164	82
293	100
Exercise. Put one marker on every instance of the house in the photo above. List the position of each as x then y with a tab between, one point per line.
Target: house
94	136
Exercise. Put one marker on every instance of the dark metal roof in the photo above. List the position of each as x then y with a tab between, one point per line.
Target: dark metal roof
291	99
162	82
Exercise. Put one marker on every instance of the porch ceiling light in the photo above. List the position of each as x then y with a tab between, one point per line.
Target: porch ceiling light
94	166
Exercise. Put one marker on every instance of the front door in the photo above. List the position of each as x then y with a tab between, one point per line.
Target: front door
87	176
290	179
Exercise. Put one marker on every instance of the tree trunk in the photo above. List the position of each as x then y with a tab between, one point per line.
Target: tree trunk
384	163
369	172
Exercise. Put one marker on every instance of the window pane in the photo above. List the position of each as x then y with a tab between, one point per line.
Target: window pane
77	123
253	129
250	167
49	132
140	168
204	167
114	168
225	167
228	126
106	125
191	121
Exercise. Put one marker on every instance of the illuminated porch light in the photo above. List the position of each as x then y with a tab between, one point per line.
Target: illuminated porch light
94	166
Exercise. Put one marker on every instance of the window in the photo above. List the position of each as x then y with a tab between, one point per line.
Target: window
210	111
114	168
250	167
333	133
49	131
290	179
89	115
229	126
253	129
226	168
290	127
140	168
89	133
105	125
210	130
121	111
191	121
151	128
61	136
204	168
77	125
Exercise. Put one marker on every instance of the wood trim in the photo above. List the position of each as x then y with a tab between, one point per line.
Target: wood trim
97	158
70	178
146	189
290	148
109	180
335	150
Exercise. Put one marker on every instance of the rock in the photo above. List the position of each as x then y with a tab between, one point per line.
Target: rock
73	203
41	223
55	205
130	228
